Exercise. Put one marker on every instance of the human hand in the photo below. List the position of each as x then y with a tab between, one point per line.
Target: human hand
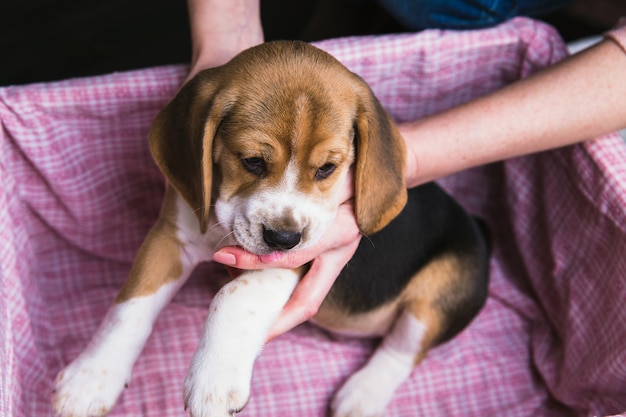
220	29
328	257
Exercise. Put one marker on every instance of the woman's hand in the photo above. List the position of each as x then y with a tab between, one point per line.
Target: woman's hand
328	257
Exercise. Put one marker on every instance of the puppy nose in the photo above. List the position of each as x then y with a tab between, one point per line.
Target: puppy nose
281	240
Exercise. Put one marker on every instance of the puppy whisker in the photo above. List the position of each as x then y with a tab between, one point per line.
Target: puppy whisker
216	226
217	245
369	239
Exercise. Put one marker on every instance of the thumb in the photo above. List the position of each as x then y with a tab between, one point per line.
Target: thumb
312	289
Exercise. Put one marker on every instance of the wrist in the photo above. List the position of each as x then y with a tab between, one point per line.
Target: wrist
220	29
437	146
416	171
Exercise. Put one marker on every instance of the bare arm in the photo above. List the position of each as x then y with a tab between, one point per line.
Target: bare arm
579	98
220	29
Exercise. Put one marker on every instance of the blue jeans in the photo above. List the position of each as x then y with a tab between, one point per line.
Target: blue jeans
465	14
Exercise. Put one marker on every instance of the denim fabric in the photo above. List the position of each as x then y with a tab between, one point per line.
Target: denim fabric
465	14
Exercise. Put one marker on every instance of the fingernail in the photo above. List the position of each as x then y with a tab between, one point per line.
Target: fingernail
224	258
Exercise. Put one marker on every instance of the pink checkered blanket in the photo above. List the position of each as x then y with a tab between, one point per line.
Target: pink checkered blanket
78	192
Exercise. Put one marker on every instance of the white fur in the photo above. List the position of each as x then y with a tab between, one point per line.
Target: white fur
272	207
368	392
218	382
197	247
91	384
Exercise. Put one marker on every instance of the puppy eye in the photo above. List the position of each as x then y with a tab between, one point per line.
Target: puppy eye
254	165
325	171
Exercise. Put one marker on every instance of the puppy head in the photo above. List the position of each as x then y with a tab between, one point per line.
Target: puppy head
269	139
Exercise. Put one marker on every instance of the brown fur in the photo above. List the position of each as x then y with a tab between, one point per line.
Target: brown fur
229	113
274	102
158	260
245	147
253	115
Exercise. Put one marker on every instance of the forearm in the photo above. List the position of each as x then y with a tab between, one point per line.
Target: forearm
222	28
570	102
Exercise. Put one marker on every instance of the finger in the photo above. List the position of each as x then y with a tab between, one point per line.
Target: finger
312	289
347	192
237	257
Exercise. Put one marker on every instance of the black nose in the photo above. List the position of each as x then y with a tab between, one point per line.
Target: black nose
281	240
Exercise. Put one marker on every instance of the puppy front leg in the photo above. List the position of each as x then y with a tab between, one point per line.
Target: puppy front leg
240	316
91	384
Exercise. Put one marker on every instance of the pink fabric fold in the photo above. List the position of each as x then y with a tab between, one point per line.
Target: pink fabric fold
78	192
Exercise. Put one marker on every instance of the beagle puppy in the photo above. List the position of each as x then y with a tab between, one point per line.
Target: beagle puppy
255	154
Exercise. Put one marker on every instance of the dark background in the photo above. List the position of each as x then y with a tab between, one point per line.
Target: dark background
45	40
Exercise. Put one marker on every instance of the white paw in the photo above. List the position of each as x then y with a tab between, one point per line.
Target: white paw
216	391
368	392
362	395
84	390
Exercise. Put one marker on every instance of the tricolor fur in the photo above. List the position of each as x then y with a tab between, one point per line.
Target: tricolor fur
255	153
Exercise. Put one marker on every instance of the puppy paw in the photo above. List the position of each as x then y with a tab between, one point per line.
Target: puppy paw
86	390
218	392
363	395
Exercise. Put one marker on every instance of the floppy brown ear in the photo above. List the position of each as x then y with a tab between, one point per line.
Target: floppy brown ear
181	140
380	188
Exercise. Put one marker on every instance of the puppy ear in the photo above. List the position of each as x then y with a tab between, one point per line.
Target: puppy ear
181	140
380	188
